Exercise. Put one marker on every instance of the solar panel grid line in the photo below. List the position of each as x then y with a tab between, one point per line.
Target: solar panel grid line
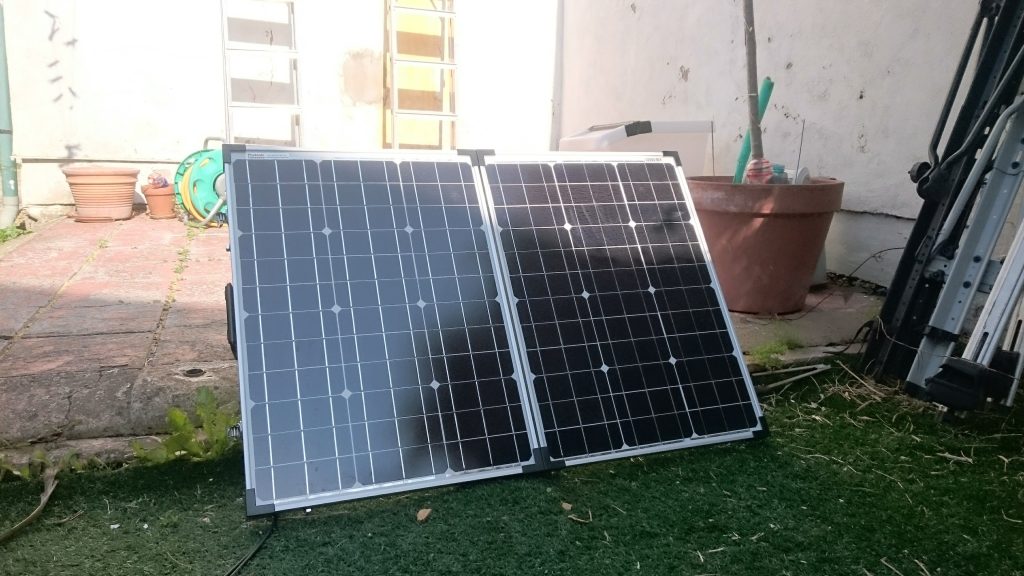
570	187
249	280
633	339
575	400
334	288
501	264
617	419
434	299
503	298
328	263
658	313
515	335
738	369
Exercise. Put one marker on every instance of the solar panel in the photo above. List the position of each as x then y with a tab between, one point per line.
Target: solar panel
409	320
627	341
373	351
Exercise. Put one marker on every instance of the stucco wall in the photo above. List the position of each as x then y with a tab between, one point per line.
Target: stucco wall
868	77
508	54
143	80
93	80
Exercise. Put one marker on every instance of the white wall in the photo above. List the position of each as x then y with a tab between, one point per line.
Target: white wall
342	73
143	80
507	54
868	77
109	79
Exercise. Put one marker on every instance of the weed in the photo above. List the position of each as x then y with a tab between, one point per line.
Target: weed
11	233
769	354
209	439
39	463
183	255
103	243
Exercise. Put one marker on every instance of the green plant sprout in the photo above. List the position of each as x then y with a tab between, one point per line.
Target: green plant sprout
187	440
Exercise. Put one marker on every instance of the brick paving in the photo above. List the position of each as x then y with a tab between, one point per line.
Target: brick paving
99	322
94	316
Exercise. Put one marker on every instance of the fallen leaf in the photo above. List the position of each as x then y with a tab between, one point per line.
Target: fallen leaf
423	514
566	506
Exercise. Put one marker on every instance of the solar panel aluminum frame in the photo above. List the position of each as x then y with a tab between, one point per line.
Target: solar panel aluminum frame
757	431
256	507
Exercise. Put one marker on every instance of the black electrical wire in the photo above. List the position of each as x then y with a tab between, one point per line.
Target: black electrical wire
237	568
833	290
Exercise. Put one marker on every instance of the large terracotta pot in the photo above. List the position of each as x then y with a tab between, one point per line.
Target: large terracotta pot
765	239
102	193
160	201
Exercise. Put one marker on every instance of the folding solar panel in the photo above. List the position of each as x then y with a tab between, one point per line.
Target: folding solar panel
373	352
409	320
628	345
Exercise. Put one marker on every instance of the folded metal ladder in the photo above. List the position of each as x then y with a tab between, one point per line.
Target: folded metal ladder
438	120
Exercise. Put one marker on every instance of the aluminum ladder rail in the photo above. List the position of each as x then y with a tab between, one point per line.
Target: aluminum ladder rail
445	117
972	263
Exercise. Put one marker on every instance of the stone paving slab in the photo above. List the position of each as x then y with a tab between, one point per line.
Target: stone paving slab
32	357
193	344
831	316
103	327
138	317
105	292
12	318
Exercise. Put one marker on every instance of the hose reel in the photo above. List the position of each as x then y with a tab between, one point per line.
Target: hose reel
199	186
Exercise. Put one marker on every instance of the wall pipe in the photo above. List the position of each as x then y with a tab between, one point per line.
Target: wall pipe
9	210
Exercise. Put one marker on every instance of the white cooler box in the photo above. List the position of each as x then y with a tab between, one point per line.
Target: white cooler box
690	139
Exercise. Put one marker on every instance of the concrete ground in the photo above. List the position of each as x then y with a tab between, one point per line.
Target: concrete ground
103	328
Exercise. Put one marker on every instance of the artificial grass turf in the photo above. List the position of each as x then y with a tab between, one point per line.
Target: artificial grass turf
849	482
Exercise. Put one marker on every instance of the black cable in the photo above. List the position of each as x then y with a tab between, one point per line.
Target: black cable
245	559
863	328
833	290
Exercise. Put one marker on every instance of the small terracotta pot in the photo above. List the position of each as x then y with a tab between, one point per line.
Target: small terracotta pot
160	201
765	239
102	193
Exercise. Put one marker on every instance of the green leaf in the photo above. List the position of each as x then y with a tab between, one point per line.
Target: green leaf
178	421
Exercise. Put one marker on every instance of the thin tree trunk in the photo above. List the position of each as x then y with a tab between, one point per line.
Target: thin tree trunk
756	150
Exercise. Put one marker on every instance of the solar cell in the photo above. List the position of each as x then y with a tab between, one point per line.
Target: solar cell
622	323
373	351
411	320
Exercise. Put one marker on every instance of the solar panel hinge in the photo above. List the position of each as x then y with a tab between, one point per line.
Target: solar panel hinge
476	156
542	461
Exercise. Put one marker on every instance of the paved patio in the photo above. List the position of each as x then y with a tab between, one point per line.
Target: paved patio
100	322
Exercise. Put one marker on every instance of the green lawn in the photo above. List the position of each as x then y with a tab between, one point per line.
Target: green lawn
849	482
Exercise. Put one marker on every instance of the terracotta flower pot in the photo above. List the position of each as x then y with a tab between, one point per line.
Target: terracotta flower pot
765	239
102	193
160	201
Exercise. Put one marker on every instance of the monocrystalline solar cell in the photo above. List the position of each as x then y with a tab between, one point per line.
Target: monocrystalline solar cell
624	333
412	320
373	351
